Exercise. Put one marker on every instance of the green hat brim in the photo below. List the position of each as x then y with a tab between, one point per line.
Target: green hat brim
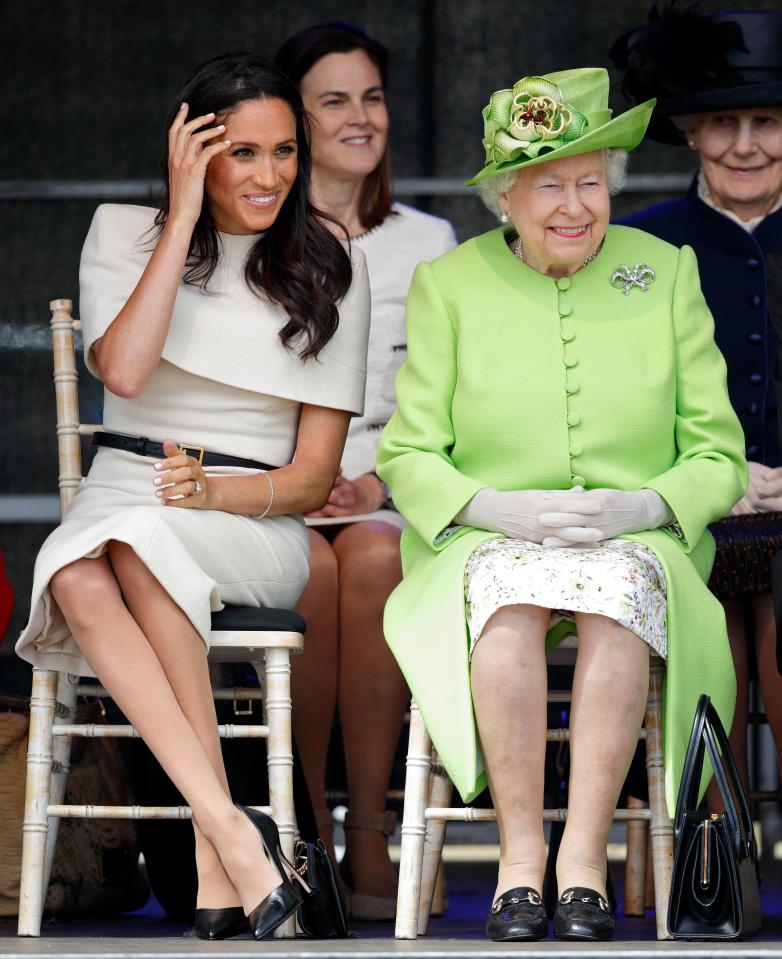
624	132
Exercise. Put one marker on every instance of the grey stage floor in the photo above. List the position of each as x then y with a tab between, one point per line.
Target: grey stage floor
458	935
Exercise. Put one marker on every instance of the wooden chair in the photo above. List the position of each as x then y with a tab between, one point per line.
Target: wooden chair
263	637
427	810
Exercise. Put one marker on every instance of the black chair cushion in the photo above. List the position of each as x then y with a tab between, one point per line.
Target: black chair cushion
257	618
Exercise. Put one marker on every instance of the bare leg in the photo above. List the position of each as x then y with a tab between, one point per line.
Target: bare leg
370	685
119	653
182	654
766	652
735	618
509	694
314	674
610	689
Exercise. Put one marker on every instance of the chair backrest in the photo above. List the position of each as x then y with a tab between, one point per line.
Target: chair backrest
66	391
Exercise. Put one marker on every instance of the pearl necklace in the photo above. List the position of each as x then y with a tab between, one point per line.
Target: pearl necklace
519	252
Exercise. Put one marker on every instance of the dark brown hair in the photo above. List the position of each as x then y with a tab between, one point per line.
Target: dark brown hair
297	263
299	54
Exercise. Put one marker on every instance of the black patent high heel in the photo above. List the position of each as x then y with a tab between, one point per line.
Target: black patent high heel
215	924
284	899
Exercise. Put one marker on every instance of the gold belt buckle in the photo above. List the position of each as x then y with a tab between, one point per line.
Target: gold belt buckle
187	447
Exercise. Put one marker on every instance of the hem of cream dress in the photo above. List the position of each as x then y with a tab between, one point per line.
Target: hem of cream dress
195	592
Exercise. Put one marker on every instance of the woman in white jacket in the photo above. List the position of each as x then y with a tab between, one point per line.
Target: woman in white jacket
341	75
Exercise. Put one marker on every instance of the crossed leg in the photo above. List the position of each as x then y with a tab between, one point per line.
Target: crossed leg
182	655
125	660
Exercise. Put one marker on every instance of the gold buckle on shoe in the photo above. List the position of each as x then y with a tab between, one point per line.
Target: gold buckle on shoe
187	447
568	897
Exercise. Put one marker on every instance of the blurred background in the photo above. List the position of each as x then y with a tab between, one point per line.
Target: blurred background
86	85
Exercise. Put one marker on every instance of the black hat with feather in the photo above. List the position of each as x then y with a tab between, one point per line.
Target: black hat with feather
694	62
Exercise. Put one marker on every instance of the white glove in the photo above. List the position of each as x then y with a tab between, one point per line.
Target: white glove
517	513
619	512
764	491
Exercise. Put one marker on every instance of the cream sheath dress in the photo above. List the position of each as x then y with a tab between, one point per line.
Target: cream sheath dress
224	382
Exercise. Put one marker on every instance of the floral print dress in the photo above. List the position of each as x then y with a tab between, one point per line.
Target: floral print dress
617	578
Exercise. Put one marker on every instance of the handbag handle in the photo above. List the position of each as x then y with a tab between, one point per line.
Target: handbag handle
708	735
727	776
693	765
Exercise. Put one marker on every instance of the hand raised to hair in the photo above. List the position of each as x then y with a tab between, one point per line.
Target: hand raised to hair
190	148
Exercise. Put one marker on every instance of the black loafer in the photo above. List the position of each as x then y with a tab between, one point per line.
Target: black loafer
517	915
583	914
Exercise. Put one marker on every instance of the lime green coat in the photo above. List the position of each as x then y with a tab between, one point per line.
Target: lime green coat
517	381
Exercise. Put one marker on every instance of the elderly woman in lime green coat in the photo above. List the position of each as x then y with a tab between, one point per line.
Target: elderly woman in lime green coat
579	359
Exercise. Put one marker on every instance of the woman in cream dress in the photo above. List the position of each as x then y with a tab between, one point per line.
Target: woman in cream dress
341	74
233	320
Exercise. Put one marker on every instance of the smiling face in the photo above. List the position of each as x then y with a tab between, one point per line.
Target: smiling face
343	95
560	209
741	156
247	185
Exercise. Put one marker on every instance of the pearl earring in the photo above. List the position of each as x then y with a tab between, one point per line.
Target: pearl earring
691	143
504	218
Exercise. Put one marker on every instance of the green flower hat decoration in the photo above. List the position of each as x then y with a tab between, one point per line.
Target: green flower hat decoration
556	115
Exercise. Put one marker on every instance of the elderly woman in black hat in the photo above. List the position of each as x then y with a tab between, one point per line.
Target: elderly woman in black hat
718	82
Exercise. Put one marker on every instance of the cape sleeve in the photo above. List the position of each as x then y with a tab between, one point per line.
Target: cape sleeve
710	472
342	363
231	334
112	261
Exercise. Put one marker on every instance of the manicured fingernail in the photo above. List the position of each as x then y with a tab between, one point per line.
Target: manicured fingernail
227	142
220	127
158	466
158	492
182	106
210	114
158	480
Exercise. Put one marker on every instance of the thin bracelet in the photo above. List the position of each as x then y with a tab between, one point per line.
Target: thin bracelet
271	497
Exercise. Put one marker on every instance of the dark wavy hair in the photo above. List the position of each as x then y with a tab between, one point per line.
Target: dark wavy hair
299	54
297	263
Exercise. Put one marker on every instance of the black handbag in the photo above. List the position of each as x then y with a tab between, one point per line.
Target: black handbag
714	890
322	912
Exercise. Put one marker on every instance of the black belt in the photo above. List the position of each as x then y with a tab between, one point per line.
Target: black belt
144	447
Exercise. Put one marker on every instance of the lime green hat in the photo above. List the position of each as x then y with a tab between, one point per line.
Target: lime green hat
557	115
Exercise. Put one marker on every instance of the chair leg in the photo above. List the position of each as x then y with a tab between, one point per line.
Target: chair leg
36	802
660	826
440	792
419	764
64	712
649	873
635	863
276	677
